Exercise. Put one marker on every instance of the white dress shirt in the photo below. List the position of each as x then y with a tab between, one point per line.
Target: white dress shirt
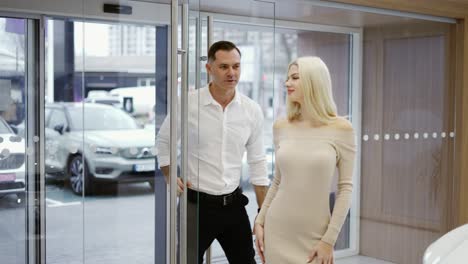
217	141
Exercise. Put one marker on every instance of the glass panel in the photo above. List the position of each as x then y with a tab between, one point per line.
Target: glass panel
13	96
257	44
106	94
254	36
102	124
118	104
190	63
265	72
334	49
190	169
63	142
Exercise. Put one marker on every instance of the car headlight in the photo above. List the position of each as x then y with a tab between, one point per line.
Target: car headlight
138	152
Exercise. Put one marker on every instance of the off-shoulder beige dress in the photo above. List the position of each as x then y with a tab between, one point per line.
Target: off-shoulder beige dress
296	212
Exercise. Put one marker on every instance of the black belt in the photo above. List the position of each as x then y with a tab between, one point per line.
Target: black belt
214	200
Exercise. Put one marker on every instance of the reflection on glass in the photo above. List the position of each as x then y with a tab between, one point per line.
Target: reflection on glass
111	147
64	225
261	72
100	141
103	118
12	143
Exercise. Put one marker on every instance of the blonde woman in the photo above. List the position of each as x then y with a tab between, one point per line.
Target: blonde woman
294	224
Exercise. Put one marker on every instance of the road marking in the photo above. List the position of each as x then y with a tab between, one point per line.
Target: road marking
55	203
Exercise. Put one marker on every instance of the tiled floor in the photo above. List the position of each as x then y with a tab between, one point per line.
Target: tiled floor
361	260
350	260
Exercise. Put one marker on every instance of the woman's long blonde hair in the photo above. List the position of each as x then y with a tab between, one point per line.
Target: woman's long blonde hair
315	81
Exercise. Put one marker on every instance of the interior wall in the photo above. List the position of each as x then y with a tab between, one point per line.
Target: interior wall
454	9
406	174
333	49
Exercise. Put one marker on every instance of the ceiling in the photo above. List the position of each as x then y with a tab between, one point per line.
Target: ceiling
317	12
301	11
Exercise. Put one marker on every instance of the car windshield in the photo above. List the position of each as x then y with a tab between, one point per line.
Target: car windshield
4	129
101	118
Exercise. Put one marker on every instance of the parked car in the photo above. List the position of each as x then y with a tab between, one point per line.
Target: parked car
451	248
142	99
12	162
89	143
104	97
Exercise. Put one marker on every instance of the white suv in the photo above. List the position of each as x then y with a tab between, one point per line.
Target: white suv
12	162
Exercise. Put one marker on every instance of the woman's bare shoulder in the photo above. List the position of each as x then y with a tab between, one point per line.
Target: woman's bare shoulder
342	123
280	123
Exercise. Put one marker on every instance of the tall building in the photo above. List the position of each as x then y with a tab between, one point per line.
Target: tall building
131	40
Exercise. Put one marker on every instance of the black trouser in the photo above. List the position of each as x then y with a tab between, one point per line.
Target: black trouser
229	224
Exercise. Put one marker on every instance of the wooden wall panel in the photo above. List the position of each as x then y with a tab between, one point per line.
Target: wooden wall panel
333	48
405	183
461	148
454	9
414	92
395	243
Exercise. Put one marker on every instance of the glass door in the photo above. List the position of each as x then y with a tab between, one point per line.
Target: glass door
20	140
106	97
114	77
256	80
84	96
183	121
269	44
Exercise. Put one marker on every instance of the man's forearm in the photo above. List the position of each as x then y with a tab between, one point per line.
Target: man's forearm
260	193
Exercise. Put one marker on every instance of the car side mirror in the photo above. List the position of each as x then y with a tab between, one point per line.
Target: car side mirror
60	128
14	128
128	104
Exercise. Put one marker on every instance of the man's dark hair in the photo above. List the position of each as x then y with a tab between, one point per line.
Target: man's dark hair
220	45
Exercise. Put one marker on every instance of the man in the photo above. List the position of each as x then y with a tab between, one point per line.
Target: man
223	125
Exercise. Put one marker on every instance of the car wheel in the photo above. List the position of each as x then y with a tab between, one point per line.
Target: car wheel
79	176
152	185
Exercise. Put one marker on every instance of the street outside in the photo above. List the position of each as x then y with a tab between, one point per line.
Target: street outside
110	227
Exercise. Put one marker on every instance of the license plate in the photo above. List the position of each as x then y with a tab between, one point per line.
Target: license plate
7	177
144	167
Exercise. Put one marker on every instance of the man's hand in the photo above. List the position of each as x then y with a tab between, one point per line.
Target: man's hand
180	183
180	186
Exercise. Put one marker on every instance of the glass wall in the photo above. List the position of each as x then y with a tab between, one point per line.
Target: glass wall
107	91
406	131
264	76
100	136
13	149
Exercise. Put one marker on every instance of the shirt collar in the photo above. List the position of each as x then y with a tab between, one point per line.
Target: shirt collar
208	99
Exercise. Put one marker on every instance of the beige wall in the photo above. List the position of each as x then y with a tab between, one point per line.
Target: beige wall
405	182
454	9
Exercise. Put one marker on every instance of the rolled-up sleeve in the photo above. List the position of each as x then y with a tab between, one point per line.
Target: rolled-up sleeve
162	143
256	157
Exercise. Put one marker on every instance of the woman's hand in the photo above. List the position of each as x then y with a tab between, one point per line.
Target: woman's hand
322	253
258	230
